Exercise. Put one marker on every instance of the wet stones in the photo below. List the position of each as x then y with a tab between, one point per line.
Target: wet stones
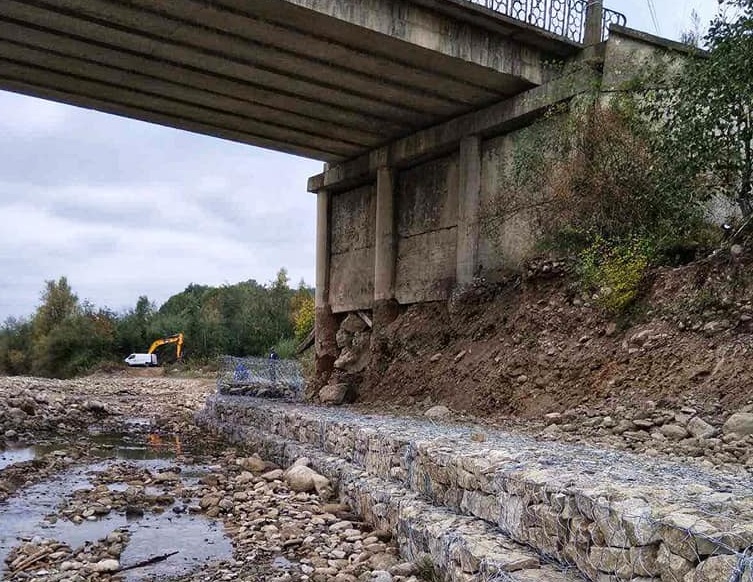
141	496
31	408
52	561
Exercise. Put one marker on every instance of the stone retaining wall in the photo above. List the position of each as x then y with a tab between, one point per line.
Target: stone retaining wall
612	515
464	549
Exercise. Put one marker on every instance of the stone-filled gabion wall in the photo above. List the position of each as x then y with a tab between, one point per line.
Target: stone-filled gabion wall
611	515
262	377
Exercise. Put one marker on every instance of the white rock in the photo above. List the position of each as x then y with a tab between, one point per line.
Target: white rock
304	479
106	566
438	411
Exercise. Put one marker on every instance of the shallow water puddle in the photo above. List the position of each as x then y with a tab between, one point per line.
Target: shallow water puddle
195	538
124	446
13	455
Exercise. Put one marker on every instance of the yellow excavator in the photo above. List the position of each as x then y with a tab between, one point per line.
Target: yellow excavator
173	339
150	358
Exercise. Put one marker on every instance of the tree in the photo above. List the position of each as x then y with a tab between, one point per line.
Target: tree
15	346
302	311
132	328
693	36
707	116
58	303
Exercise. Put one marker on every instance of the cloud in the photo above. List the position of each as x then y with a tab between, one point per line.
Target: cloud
125	208
32	118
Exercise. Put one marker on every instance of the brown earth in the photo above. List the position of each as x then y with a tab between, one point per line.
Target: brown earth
534	344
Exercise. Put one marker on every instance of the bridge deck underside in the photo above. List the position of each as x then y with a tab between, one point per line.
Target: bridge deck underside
270	73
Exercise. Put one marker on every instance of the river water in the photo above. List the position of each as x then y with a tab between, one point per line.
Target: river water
195	538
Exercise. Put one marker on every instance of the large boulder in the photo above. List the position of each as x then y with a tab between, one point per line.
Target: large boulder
438	411
254	463
716	569
336	394
353	324
700	429
304	479
740	424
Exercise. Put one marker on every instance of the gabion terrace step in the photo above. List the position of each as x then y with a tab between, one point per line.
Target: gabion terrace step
608	515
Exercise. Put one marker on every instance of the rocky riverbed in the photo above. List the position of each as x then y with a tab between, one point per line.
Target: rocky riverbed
108	478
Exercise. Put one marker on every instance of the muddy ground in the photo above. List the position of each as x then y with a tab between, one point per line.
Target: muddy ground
108	478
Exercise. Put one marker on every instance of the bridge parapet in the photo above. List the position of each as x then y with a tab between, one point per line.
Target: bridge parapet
566	18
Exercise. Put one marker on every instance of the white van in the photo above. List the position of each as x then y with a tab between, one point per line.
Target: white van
141	360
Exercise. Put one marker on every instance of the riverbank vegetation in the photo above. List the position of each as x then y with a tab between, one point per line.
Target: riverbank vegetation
66	336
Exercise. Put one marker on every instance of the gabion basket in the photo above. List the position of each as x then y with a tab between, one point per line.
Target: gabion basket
261	377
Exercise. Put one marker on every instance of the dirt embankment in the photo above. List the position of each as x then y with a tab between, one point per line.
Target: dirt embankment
536	345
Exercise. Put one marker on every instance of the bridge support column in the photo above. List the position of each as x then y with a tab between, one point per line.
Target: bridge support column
325	324
385	249
469	193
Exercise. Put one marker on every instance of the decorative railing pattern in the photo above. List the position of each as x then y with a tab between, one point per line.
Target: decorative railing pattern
565	18
610	17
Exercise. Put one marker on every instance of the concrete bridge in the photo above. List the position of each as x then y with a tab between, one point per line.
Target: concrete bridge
419	108
326	79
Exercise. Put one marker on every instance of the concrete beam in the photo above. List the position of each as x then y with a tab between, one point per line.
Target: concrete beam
329	78
503	25
195	79
296	66
385	249
138	114
420	26
284	39
469	194
205	98
445	137
146	102
99	33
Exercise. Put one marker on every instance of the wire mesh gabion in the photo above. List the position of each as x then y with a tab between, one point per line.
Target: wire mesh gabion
260	377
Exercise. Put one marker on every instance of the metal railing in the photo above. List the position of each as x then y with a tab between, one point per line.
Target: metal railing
566	18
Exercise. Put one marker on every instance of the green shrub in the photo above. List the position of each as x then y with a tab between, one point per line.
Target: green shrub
615	271
286	348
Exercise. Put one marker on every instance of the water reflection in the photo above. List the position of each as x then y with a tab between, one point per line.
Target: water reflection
196	538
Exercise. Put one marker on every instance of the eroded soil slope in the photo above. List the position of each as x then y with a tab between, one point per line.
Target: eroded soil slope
534	345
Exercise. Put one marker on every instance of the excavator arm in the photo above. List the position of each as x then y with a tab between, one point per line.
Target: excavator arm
173	339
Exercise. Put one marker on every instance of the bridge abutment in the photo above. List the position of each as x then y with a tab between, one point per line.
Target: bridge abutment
418	218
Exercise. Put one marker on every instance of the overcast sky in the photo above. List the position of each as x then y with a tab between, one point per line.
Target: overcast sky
125	208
